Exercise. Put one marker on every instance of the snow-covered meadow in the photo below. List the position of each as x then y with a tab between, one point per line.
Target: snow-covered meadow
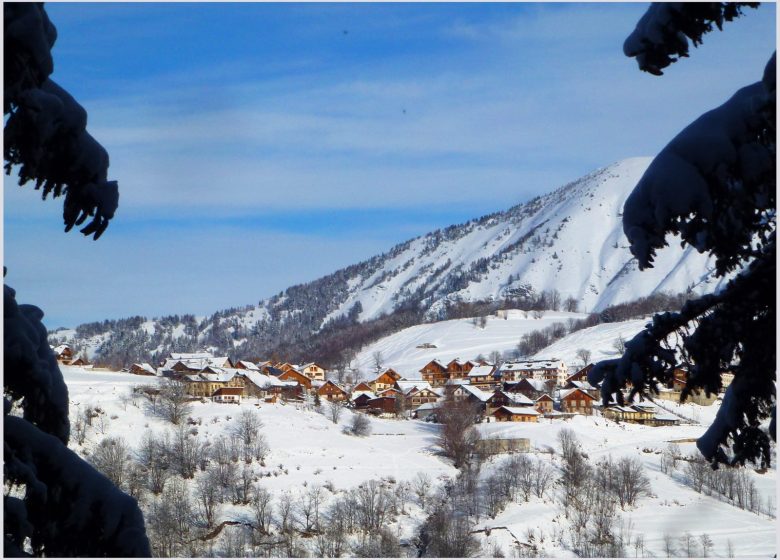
307	449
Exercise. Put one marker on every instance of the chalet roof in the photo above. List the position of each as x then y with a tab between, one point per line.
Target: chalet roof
584	385
536	384
146	367
622	408
248	365
357	387
553	363
481	371
229	391
544	397
387	391
519	399
528	411
478	393
437	362
457	382
407	385
61	348
312	364
263	381
359	394
329	382
216	377
197	363
566	392
428	406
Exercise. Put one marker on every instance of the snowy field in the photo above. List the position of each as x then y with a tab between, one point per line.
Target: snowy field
456	338
307	448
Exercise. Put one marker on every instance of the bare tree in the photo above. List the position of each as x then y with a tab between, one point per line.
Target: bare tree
688	545
669	548
619	345
495	358
630	481
111	457
174	400
261	509
706	544
246	429
584	355
421	486
458	437
153	457
208	495
482	322
185	452
378	360
571	304
334	410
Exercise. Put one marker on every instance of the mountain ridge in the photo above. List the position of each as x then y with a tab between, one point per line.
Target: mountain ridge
568	242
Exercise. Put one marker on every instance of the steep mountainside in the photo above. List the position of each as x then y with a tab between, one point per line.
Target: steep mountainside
570	240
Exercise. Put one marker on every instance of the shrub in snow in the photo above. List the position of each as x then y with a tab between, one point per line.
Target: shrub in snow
714	185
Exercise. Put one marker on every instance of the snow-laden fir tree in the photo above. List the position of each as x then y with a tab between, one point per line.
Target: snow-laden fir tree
714	185
55	503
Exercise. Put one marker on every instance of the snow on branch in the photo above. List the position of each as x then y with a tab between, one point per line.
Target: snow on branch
661	35
708	182
45	132
68	508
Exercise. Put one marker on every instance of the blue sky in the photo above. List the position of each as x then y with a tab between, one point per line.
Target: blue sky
261	145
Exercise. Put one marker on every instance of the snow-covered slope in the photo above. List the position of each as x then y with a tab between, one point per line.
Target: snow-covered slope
307	450
456	338
570	241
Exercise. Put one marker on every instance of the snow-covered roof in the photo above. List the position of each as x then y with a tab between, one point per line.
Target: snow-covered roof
480	371
248	365
519	398
427	406
584	385
61	348
146	367
536	384
521	410
479	393
190	356
553	363
262	380
566	392
407	385
358	394
457	382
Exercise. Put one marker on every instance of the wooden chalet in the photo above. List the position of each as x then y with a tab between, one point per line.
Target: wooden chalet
531	388
332	392
391	392
63	353
361	401
544	404
516	414
361	387
79	362
484	377
554	370
209	379
295	375
228	395
243	364
434	373
576	401
143	369
385	380
382	405
580	375
417	397
631	414
501	398
313	371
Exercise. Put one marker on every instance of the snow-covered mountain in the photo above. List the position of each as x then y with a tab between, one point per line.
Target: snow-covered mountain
570	241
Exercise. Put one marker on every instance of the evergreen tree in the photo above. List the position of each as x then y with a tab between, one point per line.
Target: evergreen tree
56	500
714	185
